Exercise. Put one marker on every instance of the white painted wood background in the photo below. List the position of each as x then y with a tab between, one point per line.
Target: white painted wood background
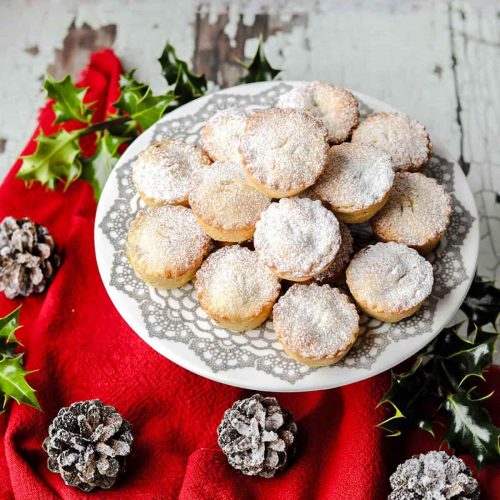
437	61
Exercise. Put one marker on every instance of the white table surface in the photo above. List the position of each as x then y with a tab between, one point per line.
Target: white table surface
437	61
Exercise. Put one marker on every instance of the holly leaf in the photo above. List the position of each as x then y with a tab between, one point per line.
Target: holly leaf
470	429
187	85
138	101
471	354
482	302
408	392
69	103
8	326
128	82
126	129
258	69
97	168
13	383
55	159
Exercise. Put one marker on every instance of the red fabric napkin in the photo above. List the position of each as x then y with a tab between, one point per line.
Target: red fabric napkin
82	349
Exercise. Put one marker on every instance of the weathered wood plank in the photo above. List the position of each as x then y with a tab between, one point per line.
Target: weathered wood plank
475	36
436	62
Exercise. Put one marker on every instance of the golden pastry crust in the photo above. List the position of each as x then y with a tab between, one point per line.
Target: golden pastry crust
405	139
317	325
284	151
225	205
417	214
164	172
363	215
220	137
356	181
389	281
297	238
333	106
165	246
334	274
235	289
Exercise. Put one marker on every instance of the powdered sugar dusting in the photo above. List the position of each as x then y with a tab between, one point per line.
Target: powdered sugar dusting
390	276
223	197
404	138
341	261
434	475
165	171
357	176
284	149
315	321
167	238
220	137
418	209
334	106
234	281
297	237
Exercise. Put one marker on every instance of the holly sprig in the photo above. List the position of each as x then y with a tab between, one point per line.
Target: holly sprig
442	387
187	85
258	69
58	158
13	384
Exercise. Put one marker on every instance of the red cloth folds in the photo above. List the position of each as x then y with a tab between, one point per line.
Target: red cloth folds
82	349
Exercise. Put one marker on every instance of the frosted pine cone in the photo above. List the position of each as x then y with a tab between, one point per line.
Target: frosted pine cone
257	436
87	445
433	476
28	258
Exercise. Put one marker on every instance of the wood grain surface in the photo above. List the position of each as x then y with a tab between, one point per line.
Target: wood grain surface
437	61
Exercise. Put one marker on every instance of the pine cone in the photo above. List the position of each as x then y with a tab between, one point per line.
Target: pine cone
257	436
434	475
28	258
87	445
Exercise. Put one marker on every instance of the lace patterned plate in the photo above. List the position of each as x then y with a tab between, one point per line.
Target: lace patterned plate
172	322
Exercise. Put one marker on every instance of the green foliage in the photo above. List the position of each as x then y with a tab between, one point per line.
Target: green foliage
13	383
137	101
258	69
55	159
482	304
97	168
187	85
470	429
441	386
8	327
406	395
69	100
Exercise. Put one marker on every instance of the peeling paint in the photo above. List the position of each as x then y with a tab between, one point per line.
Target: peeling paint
77	45
465	165
220	40
33	50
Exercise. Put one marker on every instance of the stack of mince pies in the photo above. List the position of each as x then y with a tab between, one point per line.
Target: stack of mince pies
259	215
